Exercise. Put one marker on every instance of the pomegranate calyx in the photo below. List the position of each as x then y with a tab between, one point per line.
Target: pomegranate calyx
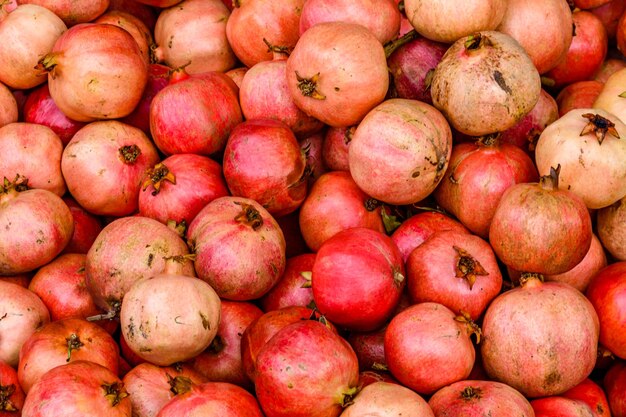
428	79
307	275
468	267
5	393
471	393
175	265
249	216
471	326
73	343
308	86
551	181
398	278
180	228
156	175
277	50
477	41
129	153
114	392
377	366
599	126
47	64
217	345
179	384
346	397
490	140
179	74
392	46
533	137
530	279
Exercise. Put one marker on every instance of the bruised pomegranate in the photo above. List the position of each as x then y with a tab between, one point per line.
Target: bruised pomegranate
540	338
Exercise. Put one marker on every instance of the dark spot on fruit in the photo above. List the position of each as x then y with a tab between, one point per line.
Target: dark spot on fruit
551	379
497	75
415	174
205	321
145	349
150	259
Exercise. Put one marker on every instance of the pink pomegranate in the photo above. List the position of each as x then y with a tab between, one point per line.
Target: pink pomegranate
133	25
8	106
611	231
335	149
73	11
578	95
386	400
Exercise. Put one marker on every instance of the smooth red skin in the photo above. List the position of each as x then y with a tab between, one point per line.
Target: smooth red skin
22	280
48	348
582	274
358	277
195	115
264	94
369	377
32	151
476	179
578	95
560	407
290	290
432	267
143	12
526	237
219	240
127	250
290	225
586	52
87	227
610	13
409	65
382	18
611	231
263	161
40	108
304	370
615	387
427	349
149	386
261	330
73	12
35	226
255	20
199	180
544	113
157	81
97	176
8	377
416	229
213	399
221	362
609	67
540	338
607	293
369	348
591	394
335	203
588	4
75	390
335	148
495	400
61	286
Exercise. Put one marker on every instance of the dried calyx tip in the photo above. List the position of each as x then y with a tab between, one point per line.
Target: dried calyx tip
599	126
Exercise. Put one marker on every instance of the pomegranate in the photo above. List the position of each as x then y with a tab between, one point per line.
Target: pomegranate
87	227
96	71
133	25
61	342
474	398
586	52
254	22
369	348
335	148
306	369
386	400
157	80
477	176
33	151
526	235
609	67
358	276
548	330
11	394
585	143
591	394
41	109
213	399
73	11
221	361
607	292
142	11
441	21
178	187
381	17
615	386
21	279
478	98
294	287
611	230
150	387
127	250
195	114
35	226
456	269
369	377
22	313
237	74
609	14
264	94
578	95
78	388
337	73
545	47
399	152
159	3
294	241
104	164
221	231
429	333
312	146
588	4
263	162
194	34
336	203
30	32
610	98
559	406
8	106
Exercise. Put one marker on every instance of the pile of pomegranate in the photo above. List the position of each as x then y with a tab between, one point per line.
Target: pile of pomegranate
312	208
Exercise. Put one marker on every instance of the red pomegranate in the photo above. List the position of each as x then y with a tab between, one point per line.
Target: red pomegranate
615	386
157	80
73	11
11	394
335	149
87	227
578	95
294	287
555	405
591	394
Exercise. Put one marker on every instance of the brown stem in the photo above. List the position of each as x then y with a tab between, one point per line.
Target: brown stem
551	181
277	50
47	64
477	41
174	265
346	398
129	153
116	306
249	216
114	392
392	46
179	384
73	343
467	267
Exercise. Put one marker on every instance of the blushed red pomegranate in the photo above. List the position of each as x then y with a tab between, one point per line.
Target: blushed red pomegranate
157	80
578	95
615	386
87	227
555	405
11	394
294	287
591	394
